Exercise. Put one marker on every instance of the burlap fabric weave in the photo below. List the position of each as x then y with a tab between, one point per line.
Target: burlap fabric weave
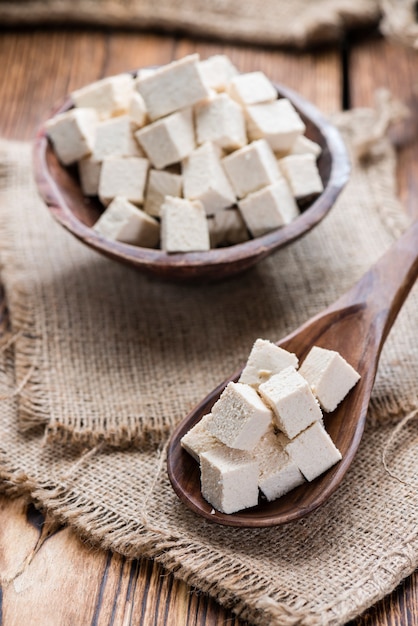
286	22
95	356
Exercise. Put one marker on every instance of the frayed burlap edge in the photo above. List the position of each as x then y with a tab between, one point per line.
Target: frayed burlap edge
399	21
26	337
317	23
31	388
100	528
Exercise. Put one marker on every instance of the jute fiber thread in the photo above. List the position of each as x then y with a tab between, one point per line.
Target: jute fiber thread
82	324
287	22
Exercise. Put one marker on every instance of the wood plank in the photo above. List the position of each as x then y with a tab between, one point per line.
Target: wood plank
377	63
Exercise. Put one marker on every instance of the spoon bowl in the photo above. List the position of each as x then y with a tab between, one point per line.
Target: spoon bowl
356	326
60	189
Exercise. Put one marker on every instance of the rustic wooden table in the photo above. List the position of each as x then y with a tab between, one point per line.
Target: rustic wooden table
63	581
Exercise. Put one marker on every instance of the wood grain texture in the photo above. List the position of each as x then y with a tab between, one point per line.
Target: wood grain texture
376	64
37	69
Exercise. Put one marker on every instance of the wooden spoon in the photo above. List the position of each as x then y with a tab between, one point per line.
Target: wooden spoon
356	326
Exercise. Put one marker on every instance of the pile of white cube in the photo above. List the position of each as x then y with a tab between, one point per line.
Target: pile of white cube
266	434
188	156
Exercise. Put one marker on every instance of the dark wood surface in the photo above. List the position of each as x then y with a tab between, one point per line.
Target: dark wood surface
63	582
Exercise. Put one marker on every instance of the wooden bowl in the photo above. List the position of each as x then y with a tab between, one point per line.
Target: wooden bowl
60	189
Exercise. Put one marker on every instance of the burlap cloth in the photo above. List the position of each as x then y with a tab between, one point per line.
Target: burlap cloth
95	356
287	22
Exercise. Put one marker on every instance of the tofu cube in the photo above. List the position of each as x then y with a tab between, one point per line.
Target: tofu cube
251	168
124	177
160	185
125	222
204	179
89	174
268	208
329	376
72	134
278	473
217	71
184	226
251	88
172	87
292	401
227	228
109	96
229	479
137	110
304	145
239	418
168	140
145	71
313	451
265	360
301	172
114	138
278	122
220	120
198	440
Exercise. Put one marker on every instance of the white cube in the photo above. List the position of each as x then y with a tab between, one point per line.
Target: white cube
114	138
278	472
217	71
89	174
268	208
72	134
239	418
292	401
251	168
265	360
161	184
145	71
301	172
125	222
304	145
109	96
137	110
172	87
278	122
204	179
229	479
124	177
251	88
220	120
168	140
313	451
329	375
198	439
227	228
184	227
